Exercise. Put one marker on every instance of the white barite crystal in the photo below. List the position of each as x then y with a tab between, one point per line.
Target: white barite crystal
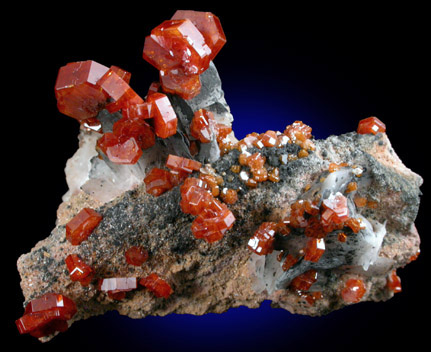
79	165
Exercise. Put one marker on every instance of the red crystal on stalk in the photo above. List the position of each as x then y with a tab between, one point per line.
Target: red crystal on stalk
45	315
371	125
263	239
394	282
76	91
136	255
165	118
79	270
158	286
82	225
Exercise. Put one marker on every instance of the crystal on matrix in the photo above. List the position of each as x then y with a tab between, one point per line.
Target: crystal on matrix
371	125
136	255
165	118
180	196
46	315
79	270
82	225
159	287
353	291
77	92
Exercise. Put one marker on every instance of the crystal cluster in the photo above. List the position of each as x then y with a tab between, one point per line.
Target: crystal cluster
276	215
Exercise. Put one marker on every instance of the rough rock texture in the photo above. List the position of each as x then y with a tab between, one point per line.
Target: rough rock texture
214	277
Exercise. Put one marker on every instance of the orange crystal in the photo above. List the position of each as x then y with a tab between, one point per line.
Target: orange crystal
314	249
177	43
194	196
180	164
136	255
394	282
158	286
371	125
79	270
202	125
82	225
353	291
118	90
137	128
119	149
175	81
304	281
76	91
263	239
165	118
209	25
336	210
229	196
157	181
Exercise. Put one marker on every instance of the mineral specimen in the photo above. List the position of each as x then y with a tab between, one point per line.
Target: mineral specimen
149	227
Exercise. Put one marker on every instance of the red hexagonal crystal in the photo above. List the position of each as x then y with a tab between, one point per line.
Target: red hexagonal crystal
194	196
137	111
137	128
180	164
202	125
46	315
336	210
158	181
165	118
353	291
263	239
181	40
371	125
158	286
209	25
123	74
304	281
76	91
79	270
213	221
314	249
119	149
82	225
136	255
175	81
118	90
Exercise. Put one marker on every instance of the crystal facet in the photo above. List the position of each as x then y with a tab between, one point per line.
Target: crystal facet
82	225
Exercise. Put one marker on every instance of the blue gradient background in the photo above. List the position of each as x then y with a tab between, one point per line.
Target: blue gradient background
327	70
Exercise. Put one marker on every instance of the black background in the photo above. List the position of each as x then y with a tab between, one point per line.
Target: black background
347	63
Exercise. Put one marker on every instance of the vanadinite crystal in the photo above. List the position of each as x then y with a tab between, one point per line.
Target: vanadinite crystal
76	91
158	286
180	164
46	315
137	128
120	150
165	119
82	225
263	239
371	125
79	270
353	291
209	25
158	181
202	125
136	255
